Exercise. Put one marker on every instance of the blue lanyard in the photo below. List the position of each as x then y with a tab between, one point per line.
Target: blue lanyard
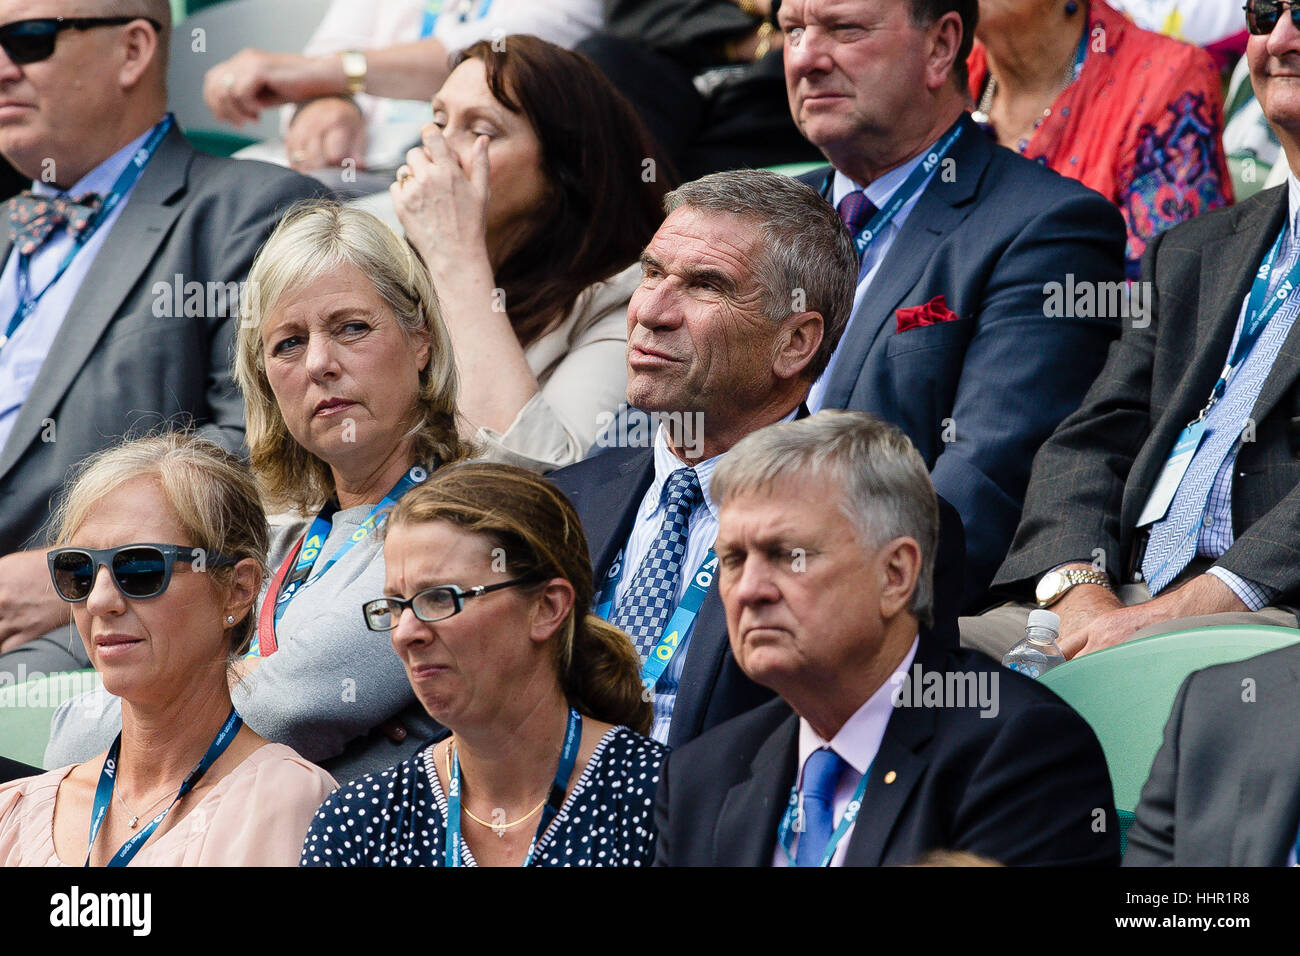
125	182
320	528
104	792
902	194
568	757
1260	309
679	624
785	836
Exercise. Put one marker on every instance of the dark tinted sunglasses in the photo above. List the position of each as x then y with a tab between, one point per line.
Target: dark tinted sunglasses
30	41
1262	15
138	570
430	605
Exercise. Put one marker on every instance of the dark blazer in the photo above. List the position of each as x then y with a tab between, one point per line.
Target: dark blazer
607	491
1023	787
988	238
1094	475
120	361
1224	788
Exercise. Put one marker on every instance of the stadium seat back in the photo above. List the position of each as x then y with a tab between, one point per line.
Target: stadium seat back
1126	692
213	32
26	710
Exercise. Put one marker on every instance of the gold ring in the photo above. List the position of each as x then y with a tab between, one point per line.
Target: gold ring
403	175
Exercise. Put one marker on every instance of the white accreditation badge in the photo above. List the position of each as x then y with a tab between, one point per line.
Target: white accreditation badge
1162	495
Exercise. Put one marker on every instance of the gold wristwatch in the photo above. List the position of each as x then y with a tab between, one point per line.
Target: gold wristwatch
1053	585
354	70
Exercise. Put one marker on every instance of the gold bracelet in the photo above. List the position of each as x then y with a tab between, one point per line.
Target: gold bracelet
749	6
764	40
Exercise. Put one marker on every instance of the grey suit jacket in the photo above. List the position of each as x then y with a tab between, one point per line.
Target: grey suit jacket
1093	476
1224	788
122	362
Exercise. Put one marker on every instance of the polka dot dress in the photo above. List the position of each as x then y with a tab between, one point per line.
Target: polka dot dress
399	817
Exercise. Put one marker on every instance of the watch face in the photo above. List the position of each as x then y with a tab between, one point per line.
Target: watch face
1049	586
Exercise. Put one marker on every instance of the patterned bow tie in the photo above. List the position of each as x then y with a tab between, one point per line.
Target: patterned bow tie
33	219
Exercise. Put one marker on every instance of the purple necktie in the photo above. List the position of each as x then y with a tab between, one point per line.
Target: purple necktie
856	210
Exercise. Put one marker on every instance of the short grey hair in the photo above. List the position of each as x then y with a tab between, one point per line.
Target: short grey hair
884	484
805	246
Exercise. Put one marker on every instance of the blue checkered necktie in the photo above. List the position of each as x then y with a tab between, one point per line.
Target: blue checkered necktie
651	596
821	775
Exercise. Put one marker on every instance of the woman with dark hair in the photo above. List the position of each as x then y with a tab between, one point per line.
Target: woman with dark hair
530	201
487	583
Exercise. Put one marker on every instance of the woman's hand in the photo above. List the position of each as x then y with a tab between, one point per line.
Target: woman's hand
443	211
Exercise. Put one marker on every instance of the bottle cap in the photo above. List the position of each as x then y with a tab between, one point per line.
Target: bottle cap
1042	617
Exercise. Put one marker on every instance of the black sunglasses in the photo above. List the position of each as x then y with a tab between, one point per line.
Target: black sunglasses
1262	15
139	570
432	604
30	41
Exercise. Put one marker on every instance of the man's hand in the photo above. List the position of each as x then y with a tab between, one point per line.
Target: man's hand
237	90
326	132
1204	594
28	605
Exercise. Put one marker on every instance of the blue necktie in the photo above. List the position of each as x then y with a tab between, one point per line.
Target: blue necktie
651	596
821	774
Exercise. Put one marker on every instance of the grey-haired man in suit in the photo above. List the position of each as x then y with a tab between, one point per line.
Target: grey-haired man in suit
1171	498
119	286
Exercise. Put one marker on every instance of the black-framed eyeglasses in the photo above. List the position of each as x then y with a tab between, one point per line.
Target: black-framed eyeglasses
1262	15
30	41
139	570
430	605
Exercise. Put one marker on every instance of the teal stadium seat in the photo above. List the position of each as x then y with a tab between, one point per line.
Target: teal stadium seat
26	710
1126	693
210	32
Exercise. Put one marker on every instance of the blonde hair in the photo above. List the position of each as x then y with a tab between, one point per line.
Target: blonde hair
210	492
313	238
541	537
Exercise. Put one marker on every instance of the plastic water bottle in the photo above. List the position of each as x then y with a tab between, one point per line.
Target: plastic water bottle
1037	653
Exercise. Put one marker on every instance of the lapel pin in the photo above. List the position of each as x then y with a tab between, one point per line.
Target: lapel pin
891	777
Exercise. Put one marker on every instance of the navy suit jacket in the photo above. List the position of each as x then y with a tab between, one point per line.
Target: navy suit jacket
607	491
987	237
1022	787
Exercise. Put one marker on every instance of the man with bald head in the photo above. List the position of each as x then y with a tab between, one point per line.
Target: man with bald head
120	276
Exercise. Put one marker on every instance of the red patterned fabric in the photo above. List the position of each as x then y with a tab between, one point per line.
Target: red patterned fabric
33	218
918	316
1142	125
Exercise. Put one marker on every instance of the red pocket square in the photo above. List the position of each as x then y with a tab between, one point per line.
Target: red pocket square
932	313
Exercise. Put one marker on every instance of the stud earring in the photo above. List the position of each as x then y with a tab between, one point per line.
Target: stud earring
1071	8
230	619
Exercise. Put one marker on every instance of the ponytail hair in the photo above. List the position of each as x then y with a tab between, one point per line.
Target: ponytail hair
539	533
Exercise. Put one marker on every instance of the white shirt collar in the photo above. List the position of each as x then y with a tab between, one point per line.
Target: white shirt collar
858	741
880	189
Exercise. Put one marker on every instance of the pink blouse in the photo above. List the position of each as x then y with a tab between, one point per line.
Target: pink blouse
257	815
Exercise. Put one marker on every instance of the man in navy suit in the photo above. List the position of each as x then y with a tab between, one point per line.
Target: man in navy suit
883	746
746	289
955	335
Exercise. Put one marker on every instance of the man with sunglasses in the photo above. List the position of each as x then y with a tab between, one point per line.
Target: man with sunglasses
1171	498
102	331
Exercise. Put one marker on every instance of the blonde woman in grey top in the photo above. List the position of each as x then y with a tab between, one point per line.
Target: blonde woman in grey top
350	390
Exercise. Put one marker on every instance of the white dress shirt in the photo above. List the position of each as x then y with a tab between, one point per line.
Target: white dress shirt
879	193
857	742
24	354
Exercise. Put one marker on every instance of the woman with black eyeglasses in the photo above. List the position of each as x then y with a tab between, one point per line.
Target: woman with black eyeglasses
160	555
487	583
